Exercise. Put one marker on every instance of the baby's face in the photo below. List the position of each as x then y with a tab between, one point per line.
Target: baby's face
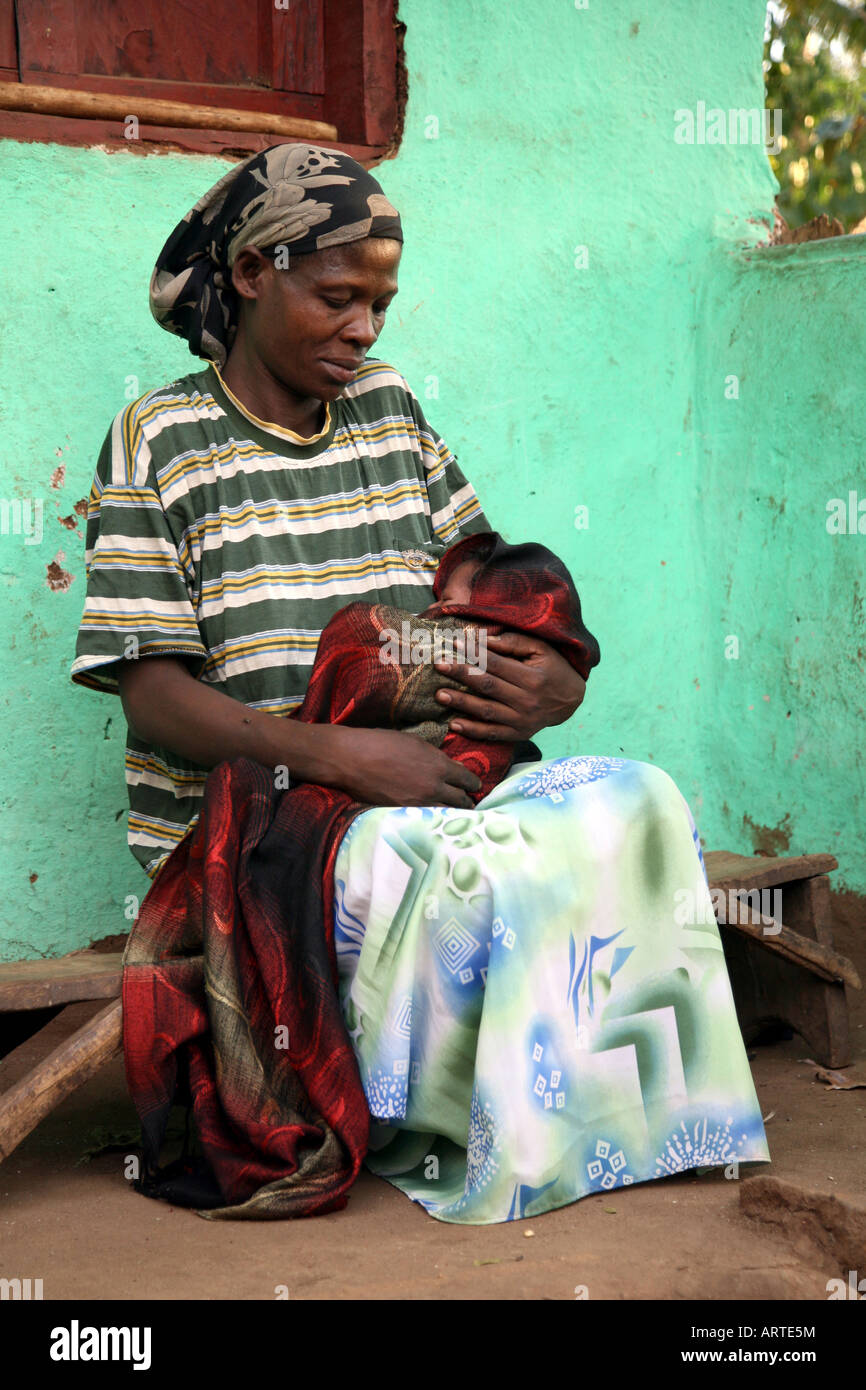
458	588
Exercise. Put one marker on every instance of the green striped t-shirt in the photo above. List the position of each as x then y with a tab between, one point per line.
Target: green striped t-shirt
231	542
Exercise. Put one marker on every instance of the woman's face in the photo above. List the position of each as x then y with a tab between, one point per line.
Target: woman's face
312	326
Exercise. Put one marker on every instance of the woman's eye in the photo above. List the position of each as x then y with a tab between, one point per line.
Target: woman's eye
379	312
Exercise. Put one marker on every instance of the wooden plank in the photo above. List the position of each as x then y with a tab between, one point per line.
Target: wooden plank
61	1073
299	47
33	1049
8	37
821	960
41	984
301	104
344	78
818	909
380	71
148	39
239	144
47	37
143	39
361	69
64	101
758	871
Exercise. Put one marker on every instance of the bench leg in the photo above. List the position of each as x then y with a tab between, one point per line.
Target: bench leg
58	1075
769	989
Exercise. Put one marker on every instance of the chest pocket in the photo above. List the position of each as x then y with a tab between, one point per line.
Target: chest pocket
422	557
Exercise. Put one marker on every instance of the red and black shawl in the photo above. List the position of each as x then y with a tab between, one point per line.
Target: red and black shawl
230	1000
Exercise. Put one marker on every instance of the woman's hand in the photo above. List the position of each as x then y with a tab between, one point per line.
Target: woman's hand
527	686
384	768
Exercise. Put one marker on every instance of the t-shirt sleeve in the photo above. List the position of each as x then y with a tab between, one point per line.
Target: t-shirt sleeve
139	591
455	510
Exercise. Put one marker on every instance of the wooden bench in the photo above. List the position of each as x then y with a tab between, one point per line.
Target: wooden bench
784	973
44	984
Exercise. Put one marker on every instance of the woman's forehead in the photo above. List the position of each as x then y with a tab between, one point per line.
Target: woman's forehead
371	253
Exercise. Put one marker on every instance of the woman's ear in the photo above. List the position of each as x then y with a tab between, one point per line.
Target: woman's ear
250	271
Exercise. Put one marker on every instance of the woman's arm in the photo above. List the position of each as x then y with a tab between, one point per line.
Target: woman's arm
165	705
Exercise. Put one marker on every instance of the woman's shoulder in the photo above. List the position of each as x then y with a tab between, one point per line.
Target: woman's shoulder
376	380
187	399
190	395
158	424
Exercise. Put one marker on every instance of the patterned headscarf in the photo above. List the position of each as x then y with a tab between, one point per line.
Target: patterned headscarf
301	196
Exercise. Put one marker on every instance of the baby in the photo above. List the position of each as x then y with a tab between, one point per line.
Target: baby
457	587
419	639
375	668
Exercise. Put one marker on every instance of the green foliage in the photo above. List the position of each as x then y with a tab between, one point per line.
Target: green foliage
823	103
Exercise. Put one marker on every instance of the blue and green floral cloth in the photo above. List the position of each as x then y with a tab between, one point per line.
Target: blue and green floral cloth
531	1018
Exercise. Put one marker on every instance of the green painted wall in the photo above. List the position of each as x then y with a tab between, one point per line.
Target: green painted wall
782	725
559	386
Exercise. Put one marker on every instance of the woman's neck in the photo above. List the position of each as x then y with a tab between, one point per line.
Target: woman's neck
267	398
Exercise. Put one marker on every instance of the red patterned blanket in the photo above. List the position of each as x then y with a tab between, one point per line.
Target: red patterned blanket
230	997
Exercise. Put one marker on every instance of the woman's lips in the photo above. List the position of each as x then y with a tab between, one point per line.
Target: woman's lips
339	372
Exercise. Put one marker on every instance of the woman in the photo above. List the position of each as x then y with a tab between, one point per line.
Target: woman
233	513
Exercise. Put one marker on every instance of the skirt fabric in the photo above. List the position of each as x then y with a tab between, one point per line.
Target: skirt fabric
536	993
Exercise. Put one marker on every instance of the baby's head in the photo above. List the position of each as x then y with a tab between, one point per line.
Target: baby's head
458	586
484	581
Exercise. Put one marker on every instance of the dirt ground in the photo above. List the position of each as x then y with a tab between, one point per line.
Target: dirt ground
780	1231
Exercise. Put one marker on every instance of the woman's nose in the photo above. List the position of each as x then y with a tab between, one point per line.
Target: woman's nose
361	328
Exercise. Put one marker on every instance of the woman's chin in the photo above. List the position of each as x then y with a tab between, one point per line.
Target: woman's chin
329	391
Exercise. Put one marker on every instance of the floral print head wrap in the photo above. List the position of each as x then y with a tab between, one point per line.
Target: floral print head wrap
302	197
